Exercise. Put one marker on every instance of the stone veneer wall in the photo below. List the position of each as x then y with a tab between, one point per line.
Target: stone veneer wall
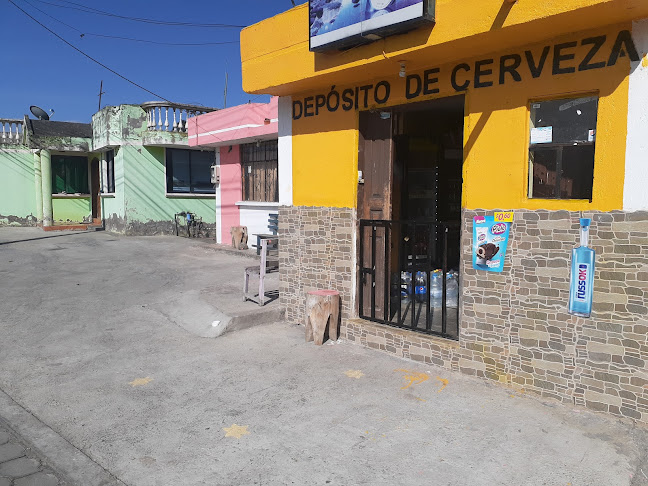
515	328
316	252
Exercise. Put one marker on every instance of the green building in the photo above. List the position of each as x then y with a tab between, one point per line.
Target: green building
131	171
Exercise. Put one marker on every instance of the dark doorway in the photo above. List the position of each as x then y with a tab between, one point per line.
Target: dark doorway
409	204
95	190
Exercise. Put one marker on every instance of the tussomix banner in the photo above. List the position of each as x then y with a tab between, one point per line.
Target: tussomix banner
343	23
581	288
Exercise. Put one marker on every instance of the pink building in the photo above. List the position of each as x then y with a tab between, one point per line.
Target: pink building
245	138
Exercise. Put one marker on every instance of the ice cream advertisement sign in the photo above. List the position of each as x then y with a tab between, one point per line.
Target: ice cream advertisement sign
490	241
337	24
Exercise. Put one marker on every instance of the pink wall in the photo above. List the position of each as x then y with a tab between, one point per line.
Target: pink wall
230	189
238	124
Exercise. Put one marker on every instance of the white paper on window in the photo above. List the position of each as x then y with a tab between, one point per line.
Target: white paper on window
542	135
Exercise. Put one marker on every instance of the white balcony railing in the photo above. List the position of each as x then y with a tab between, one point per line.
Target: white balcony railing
12	131
171	117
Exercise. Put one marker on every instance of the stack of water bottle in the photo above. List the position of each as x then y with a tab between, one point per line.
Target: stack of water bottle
436	288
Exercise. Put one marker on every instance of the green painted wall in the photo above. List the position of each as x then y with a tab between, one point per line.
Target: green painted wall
17	193
145	189
127	124
71	209
140	204
61	144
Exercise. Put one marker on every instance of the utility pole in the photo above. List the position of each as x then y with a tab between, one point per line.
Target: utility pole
101	92
225	100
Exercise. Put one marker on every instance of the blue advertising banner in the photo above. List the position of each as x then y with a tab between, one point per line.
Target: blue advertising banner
490	242
581	288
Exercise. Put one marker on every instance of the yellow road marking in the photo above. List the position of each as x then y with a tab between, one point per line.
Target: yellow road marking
236	431
354	374
413	377
141	381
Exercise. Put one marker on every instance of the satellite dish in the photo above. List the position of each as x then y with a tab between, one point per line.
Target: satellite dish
39	112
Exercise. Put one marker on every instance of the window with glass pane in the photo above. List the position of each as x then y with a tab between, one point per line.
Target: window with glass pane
201	163
189	171
109	173
561	149
69	175
260	167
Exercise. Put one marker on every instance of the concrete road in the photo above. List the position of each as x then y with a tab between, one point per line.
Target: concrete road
99	376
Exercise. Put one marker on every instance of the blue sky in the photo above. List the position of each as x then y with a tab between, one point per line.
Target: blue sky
39	69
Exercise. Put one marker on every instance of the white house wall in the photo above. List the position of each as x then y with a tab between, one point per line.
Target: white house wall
256	220
285	151
635	193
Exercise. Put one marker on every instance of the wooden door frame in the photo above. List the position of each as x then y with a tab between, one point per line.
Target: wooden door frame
362	209
368	205
95	189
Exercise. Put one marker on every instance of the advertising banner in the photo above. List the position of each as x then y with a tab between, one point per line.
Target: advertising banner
340	23
490	242
581	288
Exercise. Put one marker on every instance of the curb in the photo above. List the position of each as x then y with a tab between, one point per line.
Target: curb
245	320
251	254
75	467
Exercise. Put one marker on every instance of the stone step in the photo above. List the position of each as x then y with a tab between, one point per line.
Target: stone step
73	227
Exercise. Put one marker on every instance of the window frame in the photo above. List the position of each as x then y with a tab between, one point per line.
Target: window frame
108	172
168	174
558	148
54	159
246	153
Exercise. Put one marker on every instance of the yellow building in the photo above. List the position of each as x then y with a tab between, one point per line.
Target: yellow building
393	139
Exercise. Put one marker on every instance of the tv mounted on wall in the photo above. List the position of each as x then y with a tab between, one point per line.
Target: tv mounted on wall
340	24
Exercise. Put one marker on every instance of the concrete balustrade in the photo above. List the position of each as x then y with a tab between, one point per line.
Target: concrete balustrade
171	117
11	131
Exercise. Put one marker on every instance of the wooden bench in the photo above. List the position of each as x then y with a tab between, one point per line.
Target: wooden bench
269	263
273	228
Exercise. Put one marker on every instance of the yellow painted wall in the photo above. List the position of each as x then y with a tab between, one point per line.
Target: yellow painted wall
325	147
325	160
276	58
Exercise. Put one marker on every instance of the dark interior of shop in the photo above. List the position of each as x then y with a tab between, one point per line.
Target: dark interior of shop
424	227
428	158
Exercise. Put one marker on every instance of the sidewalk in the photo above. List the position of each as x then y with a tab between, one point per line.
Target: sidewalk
20	467
88	349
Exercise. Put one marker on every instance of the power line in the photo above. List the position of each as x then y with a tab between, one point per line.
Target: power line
160	43
84	34
95	11
52	17
88	56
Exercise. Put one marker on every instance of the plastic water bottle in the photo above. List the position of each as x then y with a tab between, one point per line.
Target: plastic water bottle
406	287
420	290
436	289
452	290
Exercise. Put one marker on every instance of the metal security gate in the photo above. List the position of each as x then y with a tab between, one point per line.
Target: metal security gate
408	276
